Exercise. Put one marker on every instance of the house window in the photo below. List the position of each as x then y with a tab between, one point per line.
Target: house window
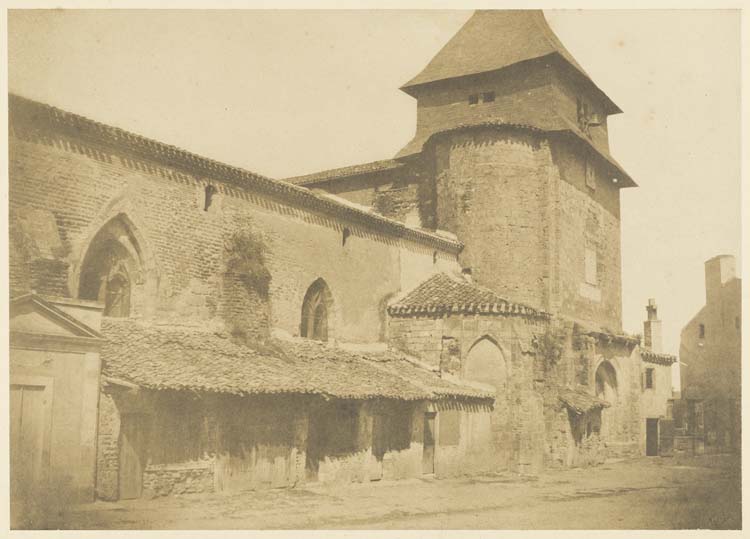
473	99
590	266
701	331
649	378
488	97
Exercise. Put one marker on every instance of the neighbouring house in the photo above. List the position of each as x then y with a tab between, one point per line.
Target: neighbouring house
710	362
454	310
656	384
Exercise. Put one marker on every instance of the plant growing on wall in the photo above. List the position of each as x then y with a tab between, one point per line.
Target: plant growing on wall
246	257
550	345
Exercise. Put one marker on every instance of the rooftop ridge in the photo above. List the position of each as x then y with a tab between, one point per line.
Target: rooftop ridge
34	113
345	172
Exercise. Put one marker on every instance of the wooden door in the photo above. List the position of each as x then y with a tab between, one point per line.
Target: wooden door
428	447
30	421
131	456
652	437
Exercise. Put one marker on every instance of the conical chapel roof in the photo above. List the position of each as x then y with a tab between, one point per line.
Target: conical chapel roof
494	39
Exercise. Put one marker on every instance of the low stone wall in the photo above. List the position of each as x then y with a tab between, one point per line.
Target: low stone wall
182	478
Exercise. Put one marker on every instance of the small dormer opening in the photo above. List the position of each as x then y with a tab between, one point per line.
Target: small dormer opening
345	236
488	97
473	99
209	194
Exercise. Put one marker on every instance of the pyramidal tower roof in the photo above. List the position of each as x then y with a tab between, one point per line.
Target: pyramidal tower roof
494	39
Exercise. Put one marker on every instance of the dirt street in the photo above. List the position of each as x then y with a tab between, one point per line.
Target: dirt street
656	493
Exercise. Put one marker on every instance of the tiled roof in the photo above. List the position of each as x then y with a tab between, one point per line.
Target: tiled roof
580	402
195	358
494	39
345	172
548	123
443	293
28	118
659	359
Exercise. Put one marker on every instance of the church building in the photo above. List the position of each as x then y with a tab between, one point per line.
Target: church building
182	325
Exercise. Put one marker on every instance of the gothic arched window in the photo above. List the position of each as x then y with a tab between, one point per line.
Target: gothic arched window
315	311
111	269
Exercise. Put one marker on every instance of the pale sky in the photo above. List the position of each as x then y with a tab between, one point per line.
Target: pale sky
283	93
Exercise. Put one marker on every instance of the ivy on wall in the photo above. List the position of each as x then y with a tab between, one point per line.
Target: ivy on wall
246	257
550	345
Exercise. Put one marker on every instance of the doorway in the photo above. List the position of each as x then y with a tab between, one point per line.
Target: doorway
428	447
30	416
652	437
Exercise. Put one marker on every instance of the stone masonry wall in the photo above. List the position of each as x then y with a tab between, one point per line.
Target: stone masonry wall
493	192
446	342
586	218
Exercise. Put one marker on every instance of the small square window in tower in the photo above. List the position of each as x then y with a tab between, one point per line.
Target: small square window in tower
473	99
488	97
590	266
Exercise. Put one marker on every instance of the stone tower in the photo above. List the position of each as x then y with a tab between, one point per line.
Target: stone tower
512	142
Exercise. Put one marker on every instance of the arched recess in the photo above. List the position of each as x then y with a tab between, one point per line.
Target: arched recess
605	381
114	269
606	387
317	312
486	363
490	433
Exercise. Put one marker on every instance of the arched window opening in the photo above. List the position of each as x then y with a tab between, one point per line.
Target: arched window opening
345	236
606	382
109	269
315	311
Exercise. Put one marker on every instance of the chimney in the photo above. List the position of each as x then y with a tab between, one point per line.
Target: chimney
719	270
652	328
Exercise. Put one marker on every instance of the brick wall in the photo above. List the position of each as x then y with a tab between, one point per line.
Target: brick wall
523	94
182	247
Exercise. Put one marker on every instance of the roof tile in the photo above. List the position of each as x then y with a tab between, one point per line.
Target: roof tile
443	293
194	358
